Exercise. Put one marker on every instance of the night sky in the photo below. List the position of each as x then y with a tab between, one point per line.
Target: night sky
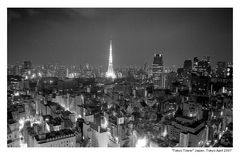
80	36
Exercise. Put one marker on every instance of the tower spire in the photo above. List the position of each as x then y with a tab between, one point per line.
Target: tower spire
110	55
110	72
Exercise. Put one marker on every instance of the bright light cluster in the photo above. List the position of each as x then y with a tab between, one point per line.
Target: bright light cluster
21	124
164	134
142	142
104	124
110	75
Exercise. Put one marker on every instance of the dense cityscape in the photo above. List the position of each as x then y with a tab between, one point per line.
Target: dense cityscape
120	77
154	105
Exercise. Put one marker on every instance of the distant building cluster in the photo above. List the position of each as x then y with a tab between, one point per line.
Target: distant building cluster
149	106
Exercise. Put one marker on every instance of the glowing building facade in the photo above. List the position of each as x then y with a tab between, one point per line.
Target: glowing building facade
110	72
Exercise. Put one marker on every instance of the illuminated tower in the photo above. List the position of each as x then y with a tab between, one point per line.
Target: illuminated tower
110	73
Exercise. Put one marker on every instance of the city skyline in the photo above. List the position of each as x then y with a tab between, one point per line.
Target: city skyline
73	36
109	102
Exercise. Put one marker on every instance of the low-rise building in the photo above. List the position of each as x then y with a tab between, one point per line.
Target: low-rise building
187	132
62	138
13	139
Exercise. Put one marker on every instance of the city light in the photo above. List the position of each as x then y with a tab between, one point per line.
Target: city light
208	143
110	75
33	76
39	74
200	143
104	123
21	124
117	140
142	142
16	93
47	128
77	117
164	134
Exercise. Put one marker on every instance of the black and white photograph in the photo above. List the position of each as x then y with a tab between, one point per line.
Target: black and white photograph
117	77
133	77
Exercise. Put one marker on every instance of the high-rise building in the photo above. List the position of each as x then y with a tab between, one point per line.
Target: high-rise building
157	71
195	63
221	69
229	70
158	59
61	72
202	67
10	70
110	72
187	65
17	69
200	85
27	65
67	73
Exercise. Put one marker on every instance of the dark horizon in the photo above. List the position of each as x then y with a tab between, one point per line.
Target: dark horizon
80	36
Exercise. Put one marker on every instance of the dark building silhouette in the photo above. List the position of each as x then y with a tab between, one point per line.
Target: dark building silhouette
158	59
221	69
202	67
27	65
195	63
187	65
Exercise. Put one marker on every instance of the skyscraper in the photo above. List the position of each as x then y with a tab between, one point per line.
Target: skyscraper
27	65
157	70
187	65
229	70
195	63
221	69
110	72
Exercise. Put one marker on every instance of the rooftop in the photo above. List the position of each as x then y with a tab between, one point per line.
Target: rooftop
54	135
